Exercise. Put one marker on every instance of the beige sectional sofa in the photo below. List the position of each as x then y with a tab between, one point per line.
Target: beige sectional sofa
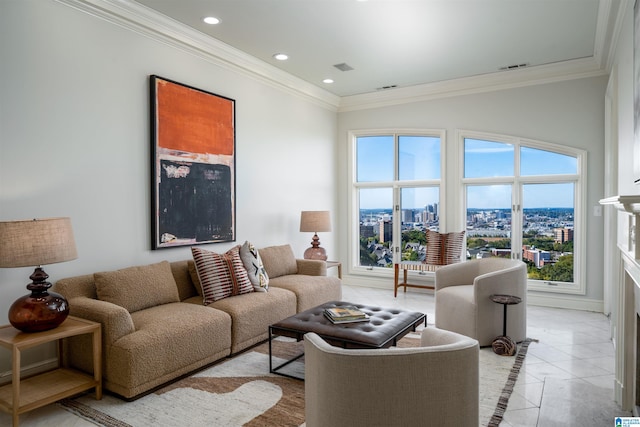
155	327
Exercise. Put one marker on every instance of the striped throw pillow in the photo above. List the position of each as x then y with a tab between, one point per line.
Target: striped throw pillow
434	248
444	248
453	247
221	276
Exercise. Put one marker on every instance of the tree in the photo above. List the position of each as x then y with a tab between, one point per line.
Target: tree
414	236
563	269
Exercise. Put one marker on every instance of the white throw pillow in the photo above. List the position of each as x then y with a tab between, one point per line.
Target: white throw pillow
255	269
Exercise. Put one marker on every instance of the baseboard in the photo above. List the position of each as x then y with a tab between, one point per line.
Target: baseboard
387	282
30	370
566	301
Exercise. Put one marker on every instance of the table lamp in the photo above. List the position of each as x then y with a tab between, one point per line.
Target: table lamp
314	221
35	243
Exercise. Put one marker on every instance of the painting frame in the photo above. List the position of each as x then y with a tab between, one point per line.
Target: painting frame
193	165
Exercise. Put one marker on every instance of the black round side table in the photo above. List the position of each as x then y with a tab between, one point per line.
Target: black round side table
504	345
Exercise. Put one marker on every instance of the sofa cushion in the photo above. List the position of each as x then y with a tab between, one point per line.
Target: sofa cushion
255	269
169	341
221	276
310	290
279	260
184	281
251	315
137	288
193	272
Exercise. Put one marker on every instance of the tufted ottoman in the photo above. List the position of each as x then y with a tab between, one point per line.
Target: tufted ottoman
384	328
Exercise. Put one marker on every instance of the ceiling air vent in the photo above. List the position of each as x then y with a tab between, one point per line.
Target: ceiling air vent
513	67
343	67
387	87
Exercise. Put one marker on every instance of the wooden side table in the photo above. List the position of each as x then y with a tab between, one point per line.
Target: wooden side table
338	264
406	266
23	395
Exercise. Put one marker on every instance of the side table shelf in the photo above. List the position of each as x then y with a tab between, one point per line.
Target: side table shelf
23	395
331	264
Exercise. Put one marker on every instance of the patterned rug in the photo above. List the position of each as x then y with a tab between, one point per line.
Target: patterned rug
239	392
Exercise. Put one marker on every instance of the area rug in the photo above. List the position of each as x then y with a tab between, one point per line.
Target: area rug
239	391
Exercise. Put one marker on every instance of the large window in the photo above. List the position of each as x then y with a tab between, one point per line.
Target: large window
516	198
397	196
523	201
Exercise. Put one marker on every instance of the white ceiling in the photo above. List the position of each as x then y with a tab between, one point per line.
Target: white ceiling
403	43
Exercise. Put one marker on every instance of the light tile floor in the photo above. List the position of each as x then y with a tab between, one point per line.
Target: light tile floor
568	376
567	379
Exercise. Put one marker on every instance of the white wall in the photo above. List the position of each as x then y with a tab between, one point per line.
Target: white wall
621	284
569	113
624	75
74	141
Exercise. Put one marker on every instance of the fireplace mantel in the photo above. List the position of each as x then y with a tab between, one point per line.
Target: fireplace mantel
631	205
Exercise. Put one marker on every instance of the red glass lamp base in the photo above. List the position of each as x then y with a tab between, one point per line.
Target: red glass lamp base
40	311
315	251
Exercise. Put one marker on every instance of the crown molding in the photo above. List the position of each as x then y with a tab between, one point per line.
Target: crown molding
617	12
142	20
522	77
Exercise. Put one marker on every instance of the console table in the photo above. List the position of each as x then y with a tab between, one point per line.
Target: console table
406	266
23	395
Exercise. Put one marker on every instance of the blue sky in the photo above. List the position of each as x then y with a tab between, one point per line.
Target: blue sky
420	160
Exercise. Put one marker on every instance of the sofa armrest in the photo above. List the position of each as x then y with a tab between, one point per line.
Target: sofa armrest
115	320
311	267
461	273
512	281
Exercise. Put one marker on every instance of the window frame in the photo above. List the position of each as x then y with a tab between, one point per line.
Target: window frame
578	286
396	185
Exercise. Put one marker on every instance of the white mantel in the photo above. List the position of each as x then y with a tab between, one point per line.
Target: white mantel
627	300
631	205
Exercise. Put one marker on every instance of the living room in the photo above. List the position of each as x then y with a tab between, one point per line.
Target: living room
75	143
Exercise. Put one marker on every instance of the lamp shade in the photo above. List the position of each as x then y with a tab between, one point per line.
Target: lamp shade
36	242
314	221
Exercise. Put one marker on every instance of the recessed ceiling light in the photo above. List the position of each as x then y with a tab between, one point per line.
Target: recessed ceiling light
327	81
281	56
211	20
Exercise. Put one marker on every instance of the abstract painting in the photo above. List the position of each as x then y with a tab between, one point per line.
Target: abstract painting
193	165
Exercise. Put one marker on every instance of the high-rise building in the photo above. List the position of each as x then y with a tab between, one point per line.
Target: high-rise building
562	235
407	215
366	231
385	231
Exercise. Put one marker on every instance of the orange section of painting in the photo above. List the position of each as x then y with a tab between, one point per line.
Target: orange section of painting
193	121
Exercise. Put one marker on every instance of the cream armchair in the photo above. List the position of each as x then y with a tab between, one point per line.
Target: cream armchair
463	305
432	385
